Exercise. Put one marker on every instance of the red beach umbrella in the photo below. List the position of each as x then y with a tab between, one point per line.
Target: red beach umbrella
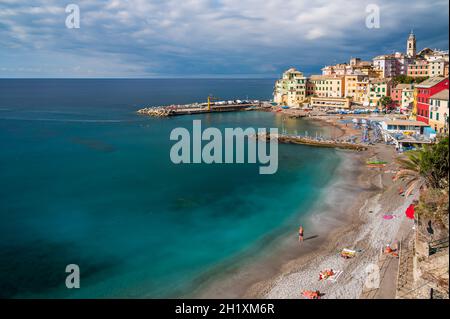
410	212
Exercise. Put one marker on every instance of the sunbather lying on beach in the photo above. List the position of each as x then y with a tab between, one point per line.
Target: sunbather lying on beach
312	294
389	251
347	253
326	274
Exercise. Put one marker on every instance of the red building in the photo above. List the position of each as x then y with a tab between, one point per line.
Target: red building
425	90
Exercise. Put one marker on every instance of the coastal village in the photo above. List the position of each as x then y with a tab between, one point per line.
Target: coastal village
394	111
398	104
406	94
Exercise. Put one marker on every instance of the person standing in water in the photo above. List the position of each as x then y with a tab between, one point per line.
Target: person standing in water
300	234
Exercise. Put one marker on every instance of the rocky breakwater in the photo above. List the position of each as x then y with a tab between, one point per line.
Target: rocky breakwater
155	111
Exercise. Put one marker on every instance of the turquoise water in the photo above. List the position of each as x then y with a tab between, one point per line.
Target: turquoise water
85	180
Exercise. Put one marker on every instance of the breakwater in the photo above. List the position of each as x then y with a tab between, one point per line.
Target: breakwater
293	139
200	108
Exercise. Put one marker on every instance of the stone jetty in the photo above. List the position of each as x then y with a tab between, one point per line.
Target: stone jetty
293	139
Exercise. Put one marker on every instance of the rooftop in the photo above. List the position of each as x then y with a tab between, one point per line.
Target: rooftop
443	95
403	86
440	60
325	77
405	122
431	82
293	70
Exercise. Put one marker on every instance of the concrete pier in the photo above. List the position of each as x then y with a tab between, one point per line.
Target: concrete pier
165	111
292	139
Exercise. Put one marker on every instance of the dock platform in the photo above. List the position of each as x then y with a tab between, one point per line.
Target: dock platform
294	139
166	111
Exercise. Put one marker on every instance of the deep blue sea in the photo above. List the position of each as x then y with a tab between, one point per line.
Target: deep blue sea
84	180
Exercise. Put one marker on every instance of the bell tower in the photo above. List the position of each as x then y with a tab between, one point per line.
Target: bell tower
411	45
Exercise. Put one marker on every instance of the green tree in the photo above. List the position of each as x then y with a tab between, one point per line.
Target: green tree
404	79
426	168
386	102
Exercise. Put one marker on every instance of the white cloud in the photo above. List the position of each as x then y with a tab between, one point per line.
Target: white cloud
176	36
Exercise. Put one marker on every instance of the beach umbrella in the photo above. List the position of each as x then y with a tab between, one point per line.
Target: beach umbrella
410	212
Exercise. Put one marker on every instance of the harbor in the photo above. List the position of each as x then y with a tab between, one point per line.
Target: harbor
211	106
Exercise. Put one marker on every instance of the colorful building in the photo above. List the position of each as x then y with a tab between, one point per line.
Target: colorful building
439	112
290	90
356	66
377	89
392	65
420	68
424	91
396	94
326	86
407	103
438	67
362	88
351	84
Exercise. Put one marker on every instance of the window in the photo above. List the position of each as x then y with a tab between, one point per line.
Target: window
437	116
431	115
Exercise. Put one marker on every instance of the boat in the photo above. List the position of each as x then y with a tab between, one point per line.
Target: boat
375	162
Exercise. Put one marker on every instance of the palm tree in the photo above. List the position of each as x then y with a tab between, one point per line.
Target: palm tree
411	172
427	167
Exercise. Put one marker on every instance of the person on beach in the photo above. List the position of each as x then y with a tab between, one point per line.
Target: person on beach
300	234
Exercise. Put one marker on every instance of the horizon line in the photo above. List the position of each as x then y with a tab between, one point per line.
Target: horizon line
139	78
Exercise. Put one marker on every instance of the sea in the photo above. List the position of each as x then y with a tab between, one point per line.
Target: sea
86	181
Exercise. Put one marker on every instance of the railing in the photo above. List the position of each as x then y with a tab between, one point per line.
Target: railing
405	267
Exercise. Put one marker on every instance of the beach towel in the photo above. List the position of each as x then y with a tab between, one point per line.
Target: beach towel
348	253
389	216
325	274
391	252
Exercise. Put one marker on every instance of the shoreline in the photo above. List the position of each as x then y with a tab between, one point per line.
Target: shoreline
238	277
287	268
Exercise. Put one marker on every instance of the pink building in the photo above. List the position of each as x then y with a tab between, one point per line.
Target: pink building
392	65
397	93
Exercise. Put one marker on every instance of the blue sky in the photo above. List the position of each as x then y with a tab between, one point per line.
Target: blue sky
205	38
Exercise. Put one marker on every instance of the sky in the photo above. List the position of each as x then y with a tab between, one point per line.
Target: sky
206	38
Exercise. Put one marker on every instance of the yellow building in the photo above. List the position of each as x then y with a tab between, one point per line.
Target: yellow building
351	85
439	112
326	86
369	92
413	115
362	88
290	90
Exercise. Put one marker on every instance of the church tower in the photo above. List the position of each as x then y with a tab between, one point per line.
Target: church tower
411	45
